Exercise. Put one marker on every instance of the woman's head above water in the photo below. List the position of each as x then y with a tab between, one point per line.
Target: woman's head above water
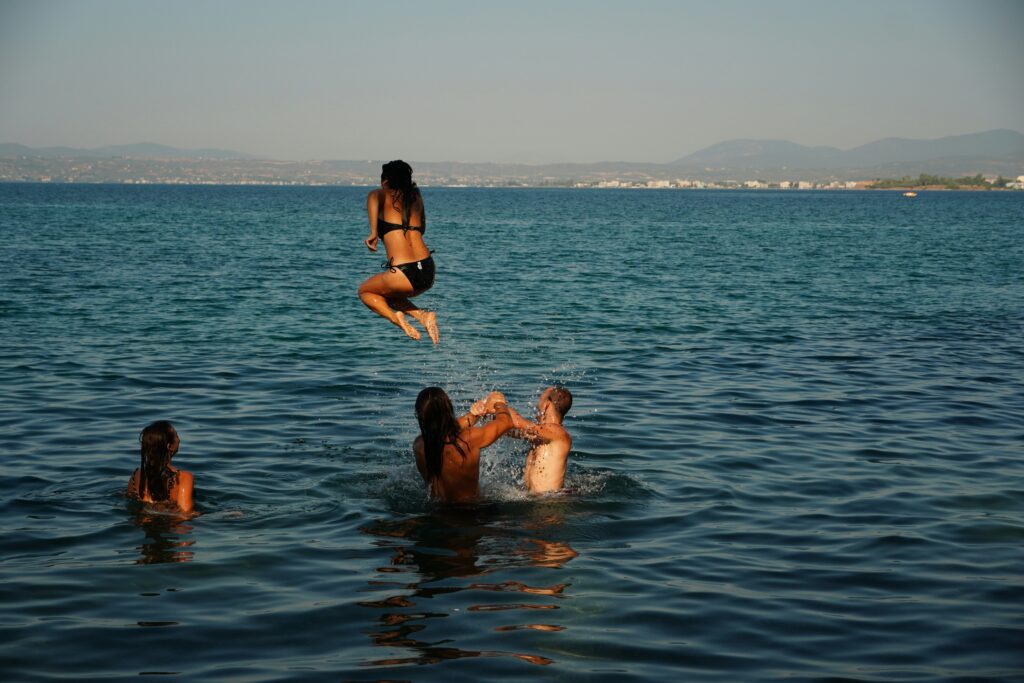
159	444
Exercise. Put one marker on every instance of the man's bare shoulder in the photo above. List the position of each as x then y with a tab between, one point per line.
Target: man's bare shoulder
556	432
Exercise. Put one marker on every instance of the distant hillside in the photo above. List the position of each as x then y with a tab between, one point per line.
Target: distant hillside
142	150
756	153
995	145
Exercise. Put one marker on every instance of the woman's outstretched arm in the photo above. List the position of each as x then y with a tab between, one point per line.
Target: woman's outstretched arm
492	431
476	411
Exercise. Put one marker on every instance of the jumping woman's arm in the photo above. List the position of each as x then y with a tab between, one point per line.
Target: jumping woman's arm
372	207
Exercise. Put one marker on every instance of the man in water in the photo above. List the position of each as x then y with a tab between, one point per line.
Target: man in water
550	443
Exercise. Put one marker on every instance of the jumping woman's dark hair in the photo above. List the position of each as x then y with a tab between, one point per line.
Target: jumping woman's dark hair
399	177
155	476
438	426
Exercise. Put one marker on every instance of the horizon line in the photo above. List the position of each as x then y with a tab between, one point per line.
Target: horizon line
255	157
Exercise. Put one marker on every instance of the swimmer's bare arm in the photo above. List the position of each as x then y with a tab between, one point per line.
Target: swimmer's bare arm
372	207
185	485
421	456
530	431
476	411
482	437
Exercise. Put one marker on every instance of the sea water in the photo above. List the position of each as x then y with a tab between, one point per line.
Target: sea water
798	437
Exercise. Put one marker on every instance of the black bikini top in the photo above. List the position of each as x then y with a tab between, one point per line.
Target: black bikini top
383	227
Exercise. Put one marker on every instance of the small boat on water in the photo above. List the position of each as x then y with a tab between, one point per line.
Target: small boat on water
909	194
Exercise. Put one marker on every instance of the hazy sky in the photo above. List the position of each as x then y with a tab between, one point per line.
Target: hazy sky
511	81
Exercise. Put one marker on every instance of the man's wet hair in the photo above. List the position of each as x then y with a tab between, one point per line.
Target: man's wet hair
561	399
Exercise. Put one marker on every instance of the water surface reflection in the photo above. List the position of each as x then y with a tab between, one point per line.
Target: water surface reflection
456	575
167	537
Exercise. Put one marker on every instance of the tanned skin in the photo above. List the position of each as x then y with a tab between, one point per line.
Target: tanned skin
459	481
180	495
387	294
550	446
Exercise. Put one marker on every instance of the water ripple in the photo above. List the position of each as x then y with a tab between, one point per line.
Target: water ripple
797	437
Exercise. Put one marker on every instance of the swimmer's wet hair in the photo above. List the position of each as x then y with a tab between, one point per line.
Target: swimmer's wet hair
561	399
399	177
438	426
155	476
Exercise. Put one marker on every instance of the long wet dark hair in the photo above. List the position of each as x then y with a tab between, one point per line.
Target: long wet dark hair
399	177
155	475
438	426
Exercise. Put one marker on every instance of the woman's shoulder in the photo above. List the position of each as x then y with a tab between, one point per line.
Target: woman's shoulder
185	478
469	441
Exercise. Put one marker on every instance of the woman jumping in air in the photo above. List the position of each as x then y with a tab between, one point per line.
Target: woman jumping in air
397	217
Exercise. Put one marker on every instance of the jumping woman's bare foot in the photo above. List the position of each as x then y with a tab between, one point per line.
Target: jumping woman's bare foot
429	320
406	327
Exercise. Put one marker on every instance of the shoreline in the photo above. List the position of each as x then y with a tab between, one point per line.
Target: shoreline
901	188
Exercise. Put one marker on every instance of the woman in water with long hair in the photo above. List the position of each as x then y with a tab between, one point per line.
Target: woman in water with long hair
448	448
397	217
155	481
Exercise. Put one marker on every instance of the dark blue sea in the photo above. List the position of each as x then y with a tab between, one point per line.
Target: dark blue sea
798	424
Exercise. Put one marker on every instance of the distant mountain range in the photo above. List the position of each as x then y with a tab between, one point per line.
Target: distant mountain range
753	155
142	150
995	152
993	145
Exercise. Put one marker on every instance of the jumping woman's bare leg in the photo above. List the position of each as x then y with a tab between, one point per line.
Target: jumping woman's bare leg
426	318
374	293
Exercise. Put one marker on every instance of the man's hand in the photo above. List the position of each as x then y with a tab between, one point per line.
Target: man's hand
479	408
493	398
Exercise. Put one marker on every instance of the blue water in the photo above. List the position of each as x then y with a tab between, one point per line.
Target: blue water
798	423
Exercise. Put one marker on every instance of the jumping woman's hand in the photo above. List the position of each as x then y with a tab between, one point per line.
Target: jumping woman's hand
371	242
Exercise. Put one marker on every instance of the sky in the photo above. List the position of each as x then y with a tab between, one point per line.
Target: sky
535	82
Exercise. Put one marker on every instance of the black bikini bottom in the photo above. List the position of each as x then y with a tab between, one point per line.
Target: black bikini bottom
419	273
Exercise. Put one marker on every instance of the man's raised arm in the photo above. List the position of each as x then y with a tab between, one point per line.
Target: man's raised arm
484	406
526	429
